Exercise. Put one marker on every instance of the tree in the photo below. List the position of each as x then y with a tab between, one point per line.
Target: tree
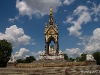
65	57
71	59
19	61
83	57
78	59
5	52
96	56
26	60
29	59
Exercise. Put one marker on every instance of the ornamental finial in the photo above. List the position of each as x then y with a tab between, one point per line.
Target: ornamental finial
50	9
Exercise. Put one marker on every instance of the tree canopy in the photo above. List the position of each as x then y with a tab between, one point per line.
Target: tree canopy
96	56
81	58
26	60
65	56
5	52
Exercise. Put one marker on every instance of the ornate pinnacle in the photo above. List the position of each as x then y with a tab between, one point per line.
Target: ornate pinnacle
51	17
50	10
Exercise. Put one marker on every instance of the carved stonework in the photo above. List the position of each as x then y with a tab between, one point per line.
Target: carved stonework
51	34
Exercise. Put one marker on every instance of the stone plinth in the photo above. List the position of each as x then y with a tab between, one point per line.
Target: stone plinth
91	62
46	57
11	64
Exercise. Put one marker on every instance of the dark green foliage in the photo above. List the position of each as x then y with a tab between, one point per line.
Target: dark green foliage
78	59
27	60
5	52
71	59
65	57
81	58
19	61
96	56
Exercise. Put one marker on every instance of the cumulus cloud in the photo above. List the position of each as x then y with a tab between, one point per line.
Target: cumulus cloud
93	42
96	19
13	19
88	1
15	35
83	40
21	54
73	52
96	9
68	2
36	7
83	17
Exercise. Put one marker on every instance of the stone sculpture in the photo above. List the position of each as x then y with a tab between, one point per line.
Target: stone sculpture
89	57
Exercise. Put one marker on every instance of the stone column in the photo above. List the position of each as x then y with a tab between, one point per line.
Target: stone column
47	48
57	48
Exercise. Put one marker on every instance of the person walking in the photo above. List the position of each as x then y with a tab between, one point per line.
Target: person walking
66	72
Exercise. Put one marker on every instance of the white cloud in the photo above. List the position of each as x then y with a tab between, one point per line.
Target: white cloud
65	10
73	52
68	2
15	35
96	19
83	17
33	43
93	42
69	20
96	9
16	17
83	43
21	54
34	53
83	40
36	7
88	1
11	19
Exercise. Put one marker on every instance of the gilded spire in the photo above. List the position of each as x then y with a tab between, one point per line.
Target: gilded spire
51	17
50	9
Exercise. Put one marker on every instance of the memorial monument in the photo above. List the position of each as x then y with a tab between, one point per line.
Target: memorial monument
51	34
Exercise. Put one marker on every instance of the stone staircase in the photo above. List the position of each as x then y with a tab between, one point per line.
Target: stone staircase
72	70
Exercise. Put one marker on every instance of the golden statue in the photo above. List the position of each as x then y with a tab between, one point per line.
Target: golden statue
52	49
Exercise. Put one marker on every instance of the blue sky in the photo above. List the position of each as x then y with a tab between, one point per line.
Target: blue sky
23	24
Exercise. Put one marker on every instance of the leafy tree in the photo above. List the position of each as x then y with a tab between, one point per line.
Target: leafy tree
27	60
96	56
65	57
71	59
78	59
5	52
19	61
83	57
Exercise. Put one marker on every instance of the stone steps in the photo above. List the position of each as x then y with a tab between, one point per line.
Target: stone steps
74	70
